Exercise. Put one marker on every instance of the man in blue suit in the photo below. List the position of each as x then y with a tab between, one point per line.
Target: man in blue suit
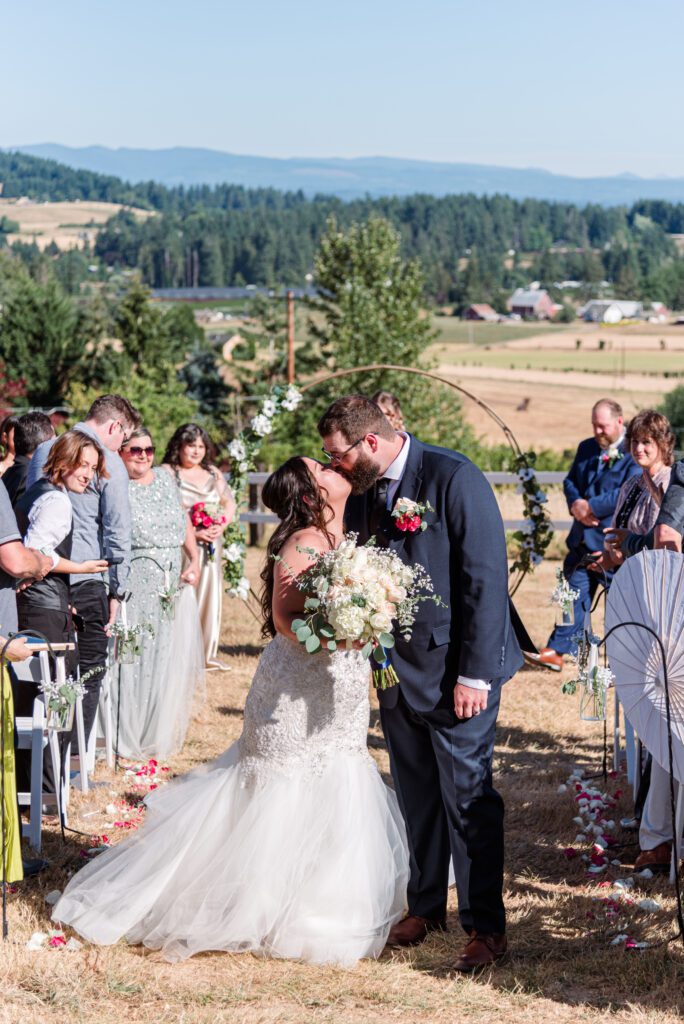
601	466
440	720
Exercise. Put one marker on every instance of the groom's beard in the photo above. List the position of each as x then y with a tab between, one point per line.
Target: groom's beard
362	475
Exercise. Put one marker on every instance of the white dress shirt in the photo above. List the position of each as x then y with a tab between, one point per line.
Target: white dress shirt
394	473
49	522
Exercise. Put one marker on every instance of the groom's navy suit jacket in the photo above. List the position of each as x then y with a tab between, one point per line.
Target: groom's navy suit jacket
464	551
600	485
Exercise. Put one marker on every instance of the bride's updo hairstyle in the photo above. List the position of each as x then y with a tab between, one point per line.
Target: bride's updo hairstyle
294	496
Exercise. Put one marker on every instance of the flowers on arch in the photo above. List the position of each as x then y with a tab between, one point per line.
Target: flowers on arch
243	451
534	536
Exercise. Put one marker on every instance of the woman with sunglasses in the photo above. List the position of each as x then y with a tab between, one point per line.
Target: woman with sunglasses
153	698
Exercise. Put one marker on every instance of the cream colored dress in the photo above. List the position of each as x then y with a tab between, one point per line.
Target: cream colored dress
209	591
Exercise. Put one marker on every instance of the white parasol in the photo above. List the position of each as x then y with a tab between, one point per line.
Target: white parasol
649	589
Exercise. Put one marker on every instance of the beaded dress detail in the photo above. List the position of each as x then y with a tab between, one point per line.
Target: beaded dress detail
289	845
152	698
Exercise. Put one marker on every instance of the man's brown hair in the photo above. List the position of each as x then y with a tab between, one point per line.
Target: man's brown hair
354	416
114	407
66	453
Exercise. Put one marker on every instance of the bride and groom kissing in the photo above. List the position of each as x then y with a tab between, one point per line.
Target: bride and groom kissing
290	844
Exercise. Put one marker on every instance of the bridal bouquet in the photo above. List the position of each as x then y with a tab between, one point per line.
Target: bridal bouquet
354	595
204	514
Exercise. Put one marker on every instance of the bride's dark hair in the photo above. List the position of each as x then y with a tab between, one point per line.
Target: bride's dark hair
293	494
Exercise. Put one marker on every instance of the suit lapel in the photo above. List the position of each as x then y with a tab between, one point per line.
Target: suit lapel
409	487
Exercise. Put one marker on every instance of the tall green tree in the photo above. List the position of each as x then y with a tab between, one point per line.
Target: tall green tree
39	340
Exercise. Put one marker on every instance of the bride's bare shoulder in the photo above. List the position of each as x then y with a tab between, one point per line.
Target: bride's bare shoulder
299	544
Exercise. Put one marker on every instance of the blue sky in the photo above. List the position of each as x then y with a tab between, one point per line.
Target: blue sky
580	88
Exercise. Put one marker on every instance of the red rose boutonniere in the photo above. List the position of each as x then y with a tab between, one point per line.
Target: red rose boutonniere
408	515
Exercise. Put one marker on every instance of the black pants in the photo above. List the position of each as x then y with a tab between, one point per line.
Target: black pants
56	626
89	598
442	770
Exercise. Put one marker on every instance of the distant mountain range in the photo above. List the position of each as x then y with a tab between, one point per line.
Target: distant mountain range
351	178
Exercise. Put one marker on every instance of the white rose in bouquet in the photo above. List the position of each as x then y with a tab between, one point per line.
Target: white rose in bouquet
357	595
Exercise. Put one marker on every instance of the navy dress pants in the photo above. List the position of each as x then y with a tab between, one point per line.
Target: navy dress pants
442	771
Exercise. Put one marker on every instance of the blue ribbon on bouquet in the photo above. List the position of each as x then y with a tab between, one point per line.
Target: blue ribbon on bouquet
384	675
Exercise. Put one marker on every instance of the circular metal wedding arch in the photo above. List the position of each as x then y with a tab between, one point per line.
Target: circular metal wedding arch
508	433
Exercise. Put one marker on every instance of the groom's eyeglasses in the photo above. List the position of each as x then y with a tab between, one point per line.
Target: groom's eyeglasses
335	457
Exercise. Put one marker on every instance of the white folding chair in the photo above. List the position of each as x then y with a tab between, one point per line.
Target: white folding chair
33	735
101	732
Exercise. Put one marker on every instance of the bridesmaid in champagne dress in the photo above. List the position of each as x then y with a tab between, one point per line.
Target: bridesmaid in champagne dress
190	454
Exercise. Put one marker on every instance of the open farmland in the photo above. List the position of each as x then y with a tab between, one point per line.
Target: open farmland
68	224
543	385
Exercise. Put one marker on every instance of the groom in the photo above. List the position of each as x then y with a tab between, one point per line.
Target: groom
439	722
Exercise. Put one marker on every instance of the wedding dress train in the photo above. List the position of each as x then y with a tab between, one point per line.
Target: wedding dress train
289	845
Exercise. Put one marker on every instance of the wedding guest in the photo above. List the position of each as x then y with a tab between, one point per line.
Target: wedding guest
153	698
16	562
651	443
102	529
11	650
190	455
669	527
389	404
592	487
31	430
45	518
7	442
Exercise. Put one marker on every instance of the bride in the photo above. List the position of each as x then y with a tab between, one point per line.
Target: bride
290	844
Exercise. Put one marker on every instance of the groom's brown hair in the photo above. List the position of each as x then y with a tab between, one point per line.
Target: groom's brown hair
354	416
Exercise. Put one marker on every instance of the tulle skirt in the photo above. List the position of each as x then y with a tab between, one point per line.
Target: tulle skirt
311	866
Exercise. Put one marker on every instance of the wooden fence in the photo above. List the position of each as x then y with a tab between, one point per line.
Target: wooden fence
256	517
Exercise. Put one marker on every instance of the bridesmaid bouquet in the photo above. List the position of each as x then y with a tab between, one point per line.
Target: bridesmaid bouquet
355	595
204	514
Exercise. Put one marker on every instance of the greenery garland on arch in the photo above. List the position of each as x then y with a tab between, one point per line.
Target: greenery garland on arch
533	537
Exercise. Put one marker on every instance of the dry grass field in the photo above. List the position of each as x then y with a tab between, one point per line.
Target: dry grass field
562	965
68	224
506	364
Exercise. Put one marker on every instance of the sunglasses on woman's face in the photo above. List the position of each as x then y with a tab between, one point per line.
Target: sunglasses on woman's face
136	451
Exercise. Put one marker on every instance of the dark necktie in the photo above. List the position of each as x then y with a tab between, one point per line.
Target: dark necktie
378	504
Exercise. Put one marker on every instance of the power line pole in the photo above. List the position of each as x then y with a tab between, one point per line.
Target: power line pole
290	338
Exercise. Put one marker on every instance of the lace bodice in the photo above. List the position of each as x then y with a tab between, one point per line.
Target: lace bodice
303	710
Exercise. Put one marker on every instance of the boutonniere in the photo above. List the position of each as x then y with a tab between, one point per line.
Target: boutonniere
611	456
408	515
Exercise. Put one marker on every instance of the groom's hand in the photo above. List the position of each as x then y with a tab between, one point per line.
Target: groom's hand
469	701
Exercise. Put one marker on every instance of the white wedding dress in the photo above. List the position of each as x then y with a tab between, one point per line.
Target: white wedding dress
289	845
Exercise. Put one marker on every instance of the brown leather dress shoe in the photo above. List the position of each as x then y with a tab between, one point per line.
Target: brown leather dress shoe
412	931
657	859
481	951
547	658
